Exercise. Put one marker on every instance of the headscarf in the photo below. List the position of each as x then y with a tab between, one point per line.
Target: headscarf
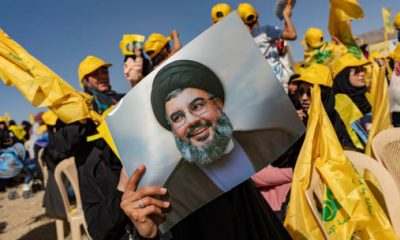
341	84
103	100
182	74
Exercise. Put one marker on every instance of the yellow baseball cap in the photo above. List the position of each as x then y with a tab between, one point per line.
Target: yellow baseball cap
316	74
155	43
298	67
314	37
219	11
347	60
375	55
247	13
18	131
397	21
89	65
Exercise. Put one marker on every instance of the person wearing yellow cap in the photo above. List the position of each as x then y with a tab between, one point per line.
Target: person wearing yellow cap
266	37
351	97
93	76
218	11
320	51
99	167
136	67
321	75
157	47
394	89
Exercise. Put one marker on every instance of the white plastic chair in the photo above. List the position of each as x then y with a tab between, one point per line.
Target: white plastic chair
43	166
74	212
390	193
386	148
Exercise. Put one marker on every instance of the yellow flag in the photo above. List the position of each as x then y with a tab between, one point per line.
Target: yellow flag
104	132
31	118
387	20
7	117
340	14
39	85
348	207
380	105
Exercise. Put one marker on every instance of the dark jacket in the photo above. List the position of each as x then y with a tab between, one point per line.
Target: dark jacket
98	180
241	213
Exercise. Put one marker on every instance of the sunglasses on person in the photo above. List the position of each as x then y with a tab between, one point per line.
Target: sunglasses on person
358	69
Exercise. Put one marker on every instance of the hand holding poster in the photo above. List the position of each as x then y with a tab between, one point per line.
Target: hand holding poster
205	120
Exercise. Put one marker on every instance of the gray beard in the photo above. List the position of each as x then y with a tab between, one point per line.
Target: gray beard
212	151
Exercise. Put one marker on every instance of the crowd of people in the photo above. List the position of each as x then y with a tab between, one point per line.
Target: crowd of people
113	205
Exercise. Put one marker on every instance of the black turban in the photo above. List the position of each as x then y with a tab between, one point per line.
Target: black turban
182	74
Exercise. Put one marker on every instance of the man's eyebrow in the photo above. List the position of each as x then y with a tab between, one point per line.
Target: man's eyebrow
196	99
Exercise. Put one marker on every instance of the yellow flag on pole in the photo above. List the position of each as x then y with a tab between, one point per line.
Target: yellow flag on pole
340	14
387	21
348	207
39	85
7	117
380	103
31	118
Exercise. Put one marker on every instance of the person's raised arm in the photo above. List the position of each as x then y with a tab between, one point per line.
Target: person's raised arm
176	42
289	32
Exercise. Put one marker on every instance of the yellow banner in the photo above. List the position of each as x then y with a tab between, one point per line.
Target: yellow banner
380	103
387	21
39	85
348	207
340	14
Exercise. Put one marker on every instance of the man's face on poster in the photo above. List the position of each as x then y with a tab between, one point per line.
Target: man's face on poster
201	129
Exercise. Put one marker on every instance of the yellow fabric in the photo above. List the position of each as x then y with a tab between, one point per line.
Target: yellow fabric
245	10
325	54
89	65
397	21
128	43
1	119
42	128
104	132
7	117
220	10
348	112
380	107
396	53
18	131
356	213
39	85
316	74
373	69
341	12
347	60
155	43
314	37
49	118
298	68
31	118
387	21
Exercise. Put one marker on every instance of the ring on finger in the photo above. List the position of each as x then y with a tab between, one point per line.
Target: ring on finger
141	203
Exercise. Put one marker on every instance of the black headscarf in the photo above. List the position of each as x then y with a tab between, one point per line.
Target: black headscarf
182	74
328	101
341	84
